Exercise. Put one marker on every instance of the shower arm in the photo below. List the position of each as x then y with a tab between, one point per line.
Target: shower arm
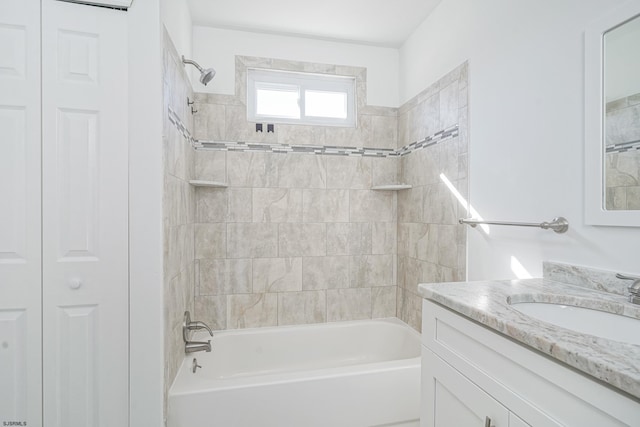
194	63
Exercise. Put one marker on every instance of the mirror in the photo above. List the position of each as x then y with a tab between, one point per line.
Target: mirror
622	117
612	118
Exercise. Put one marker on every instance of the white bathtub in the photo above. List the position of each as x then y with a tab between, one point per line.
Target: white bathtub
362	373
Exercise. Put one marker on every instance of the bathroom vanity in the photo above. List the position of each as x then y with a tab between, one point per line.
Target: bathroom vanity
486	363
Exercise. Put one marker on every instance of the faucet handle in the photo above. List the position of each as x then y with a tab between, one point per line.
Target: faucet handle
197	325
188	325
634	289
624	277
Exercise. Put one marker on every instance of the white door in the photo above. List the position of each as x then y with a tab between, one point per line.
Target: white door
85	247
20	233
450	399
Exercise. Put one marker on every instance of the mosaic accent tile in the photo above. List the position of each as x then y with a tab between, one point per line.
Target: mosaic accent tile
174	119
624	147
327	150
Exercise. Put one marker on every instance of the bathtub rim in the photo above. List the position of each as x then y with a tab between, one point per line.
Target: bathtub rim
273	329
202	385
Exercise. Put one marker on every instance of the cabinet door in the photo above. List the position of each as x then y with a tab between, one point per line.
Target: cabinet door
85	244
515	421
450	399
20	232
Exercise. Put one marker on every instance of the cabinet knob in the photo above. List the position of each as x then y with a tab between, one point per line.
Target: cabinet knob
487	422
75	284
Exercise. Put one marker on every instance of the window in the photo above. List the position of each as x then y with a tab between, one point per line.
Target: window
300	98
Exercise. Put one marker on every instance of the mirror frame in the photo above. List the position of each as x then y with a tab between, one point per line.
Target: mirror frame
594	188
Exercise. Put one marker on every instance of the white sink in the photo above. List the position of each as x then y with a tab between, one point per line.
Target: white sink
587	321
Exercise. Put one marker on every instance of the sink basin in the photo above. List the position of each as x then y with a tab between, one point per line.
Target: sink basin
584	320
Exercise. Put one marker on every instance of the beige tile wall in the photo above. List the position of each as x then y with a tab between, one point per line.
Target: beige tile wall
296	238
223	117
178	210
279	247
431	243
300	238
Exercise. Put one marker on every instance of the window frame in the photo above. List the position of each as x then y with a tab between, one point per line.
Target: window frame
257	77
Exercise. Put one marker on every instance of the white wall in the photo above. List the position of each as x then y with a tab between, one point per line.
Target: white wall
214	47
526	126
145	215
176	17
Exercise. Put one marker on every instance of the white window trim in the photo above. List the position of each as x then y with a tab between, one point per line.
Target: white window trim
304	81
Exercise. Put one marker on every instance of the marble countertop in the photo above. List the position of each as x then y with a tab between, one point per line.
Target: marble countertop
487	302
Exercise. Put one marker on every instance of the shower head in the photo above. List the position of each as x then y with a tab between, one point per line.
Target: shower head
205	75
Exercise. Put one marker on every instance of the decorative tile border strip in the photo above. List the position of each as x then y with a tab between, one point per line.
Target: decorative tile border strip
327	150
436	138
623	147
287	148
175	120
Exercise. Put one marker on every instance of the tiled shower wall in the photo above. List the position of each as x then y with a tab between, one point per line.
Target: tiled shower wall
431	243
295	238
623	160
302	238
178	209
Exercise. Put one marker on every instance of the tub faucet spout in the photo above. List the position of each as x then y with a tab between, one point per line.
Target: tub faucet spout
187	327
194	346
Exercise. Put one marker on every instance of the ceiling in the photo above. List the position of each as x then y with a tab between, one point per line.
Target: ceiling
375	22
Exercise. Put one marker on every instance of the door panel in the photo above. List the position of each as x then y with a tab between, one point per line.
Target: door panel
13	184
20	213
76	372
85	246
454	400
78	195
13	369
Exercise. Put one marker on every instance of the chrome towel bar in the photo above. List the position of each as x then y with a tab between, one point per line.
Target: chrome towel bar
559	224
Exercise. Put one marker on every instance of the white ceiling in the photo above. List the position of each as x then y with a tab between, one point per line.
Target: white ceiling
376	22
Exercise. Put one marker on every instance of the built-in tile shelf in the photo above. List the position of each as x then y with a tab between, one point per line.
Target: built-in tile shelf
392	187
213	184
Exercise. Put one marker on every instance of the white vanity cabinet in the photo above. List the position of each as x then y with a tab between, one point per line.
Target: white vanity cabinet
454	400
471	374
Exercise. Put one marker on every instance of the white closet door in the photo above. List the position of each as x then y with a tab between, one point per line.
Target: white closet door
20	264
85	243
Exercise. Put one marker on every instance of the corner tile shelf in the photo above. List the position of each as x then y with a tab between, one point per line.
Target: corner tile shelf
212	184
392	187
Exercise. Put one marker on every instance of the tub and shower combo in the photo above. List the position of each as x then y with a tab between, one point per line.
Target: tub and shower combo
360	373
